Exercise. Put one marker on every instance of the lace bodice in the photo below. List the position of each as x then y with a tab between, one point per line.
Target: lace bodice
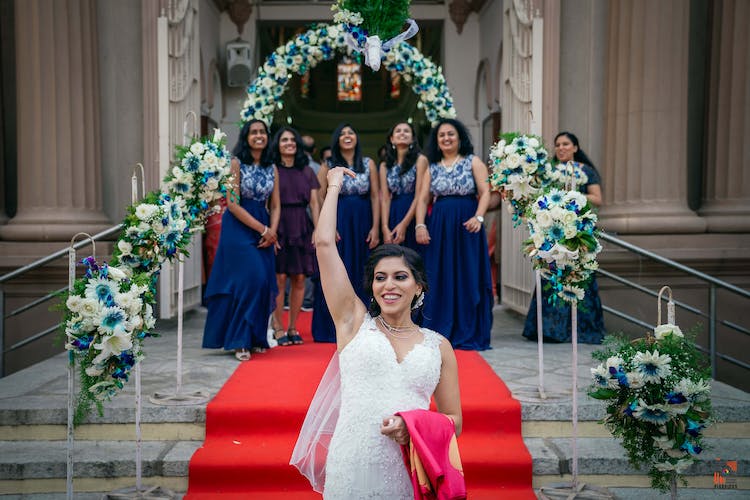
362	463
459	181
360	184
401	184
256	182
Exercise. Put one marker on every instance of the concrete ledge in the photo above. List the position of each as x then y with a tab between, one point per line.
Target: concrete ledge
93	459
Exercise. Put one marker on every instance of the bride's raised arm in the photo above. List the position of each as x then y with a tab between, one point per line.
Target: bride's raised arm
346	309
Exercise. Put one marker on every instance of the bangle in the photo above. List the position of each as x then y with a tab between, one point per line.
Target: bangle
265	230
420	226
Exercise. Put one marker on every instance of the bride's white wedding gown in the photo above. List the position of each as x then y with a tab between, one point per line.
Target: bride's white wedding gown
362	463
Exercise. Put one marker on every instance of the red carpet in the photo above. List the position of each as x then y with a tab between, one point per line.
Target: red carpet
252	425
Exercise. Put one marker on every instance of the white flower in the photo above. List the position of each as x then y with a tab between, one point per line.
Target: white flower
665	330
74	303
635	380
520	187
145	211
544	219
124	247
601	376
100	289
116	273
212	184
679	466
197	148
218	136
112	345
94	371
693	391
653	366
572	293
90	307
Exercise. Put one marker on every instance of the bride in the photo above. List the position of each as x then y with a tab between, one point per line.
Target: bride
387	364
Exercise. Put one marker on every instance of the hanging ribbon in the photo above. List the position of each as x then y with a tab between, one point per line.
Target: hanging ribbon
374	50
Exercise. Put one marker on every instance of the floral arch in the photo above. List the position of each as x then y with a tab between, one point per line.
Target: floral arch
321	43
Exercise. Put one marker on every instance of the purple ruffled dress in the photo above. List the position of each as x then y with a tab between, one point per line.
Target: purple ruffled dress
297	254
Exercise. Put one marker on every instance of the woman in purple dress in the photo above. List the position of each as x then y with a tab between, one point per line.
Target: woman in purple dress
298	189
398	178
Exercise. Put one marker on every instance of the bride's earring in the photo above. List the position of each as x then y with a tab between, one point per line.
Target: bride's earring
420	300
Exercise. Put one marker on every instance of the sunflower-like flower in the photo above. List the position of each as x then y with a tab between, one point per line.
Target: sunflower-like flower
656	414
653	366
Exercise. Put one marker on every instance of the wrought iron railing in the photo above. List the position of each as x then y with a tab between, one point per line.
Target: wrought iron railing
710	315
20	272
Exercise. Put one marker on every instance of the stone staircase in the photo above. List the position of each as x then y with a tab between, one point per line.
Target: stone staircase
33	432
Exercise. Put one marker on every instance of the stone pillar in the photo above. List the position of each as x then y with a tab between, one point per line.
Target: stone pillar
645	160
59	180
726	191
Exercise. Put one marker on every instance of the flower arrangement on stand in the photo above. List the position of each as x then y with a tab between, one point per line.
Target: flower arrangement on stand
563	242
321	43
518	166
108	313
658	400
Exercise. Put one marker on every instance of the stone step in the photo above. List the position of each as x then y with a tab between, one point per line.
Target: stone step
179	431
35	460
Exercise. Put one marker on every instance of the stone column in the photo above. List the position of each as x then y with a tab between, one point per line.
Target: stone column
59	180
645	160
726	187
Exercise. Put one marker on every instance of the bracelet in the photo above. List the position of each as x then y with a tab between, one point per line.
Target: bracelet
419	226
337	186
265	230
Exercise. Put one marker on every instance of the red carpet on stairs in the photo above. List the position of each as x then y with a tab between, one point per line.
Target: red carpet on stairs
252	425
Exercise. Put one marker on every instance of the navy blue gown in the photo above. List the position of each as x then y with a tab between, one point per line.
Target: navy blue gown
459	301
353	223
241	290
556	316
402	189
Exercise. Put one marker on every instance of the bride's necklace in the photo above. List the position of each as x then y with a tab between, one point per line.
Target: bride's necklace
452	165
399	332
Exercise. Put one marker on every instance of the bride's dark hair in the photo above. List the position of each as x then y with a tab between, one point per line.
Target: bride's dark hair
413	261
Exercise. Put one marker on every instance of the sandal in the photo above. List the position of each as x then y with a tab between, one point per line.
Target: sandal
284	340
242	354
295	338
258	350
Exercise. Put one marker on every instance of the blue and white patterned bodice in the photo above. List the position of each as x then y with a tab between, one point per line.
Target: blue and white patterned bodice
360	184
459	181
401	184
256	182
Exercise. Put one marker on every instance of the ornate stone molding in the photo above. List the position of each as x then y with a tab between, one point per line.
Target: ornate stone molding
460	10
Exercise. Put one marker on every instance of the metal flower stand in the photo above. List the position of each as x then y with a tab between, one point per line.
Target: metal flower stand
574	489
139	491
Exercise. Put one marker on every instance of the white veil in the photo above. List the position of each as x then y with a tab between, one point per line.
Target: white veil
311	450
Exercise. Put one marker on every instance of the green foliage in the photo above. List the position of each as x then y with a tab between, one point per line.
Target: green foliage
661	447
383	18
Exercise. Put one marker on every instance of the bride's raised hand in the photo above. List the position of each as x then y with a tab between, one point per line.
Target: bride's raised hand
336	175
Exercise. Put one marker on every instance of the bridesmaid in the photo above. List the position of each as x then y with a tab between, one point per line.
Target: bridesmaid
456	258
357	220
242	285
398	178
556	316
298	188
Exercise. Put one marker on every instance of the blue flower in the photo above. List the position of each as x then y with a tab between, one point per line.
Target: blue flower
630	409
556	232
619	374
691	448
694	428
